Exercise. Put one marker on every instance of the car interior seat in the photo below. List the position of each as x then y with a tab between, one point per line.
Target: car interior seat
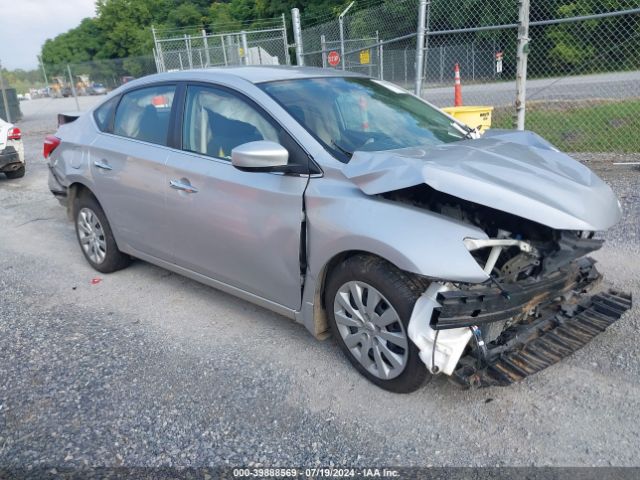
226	134
152	129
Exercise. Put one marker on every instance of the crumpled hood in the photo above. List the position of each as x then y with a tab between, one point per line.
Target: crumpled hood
516	172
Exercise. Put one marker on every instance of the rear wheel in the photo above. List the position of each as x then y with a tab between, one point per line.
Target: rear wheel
369	304
19	173
95	236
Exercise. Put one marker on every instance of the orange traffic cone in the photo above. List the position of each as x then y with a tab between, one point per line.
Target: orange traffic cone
457	97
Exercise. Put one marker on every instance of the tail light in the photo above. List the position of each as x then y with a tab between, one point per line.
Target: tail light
51	142
14	134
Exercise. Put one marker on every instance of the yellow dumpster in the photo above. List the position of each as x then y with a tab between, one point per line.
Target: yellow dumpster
472	116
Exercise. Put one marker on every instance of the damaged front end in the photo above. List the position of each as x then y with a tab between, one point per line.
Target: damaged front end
539	209
542	301
502	334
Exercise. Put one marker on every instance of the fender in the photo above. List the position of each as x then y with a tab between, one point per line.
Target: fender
413	239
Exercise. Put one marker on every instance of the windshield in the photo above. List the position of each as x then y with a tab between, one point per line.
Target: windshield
349	114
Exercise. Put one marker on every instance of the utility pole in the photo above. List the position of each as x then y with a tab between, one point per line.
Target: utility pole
4	96
521	69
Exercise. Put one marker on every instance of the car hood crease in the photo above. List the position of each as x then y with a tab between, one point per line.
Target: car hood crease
515	172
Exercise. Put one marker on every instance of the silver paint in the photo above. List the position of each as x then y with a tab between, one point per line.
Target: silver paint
240	231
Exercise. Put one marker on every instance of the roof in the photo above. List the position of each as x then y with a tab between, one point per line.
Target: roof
253	74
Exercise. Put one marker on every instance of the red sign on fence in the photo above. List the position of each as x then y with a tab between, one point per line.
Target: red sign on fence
333	58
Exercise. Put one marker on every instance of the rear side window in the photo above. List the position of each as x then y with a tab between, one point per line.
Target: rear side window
144	114
104	114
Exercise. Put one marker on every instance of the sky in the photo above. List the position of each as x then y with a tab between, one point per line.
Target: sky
26	24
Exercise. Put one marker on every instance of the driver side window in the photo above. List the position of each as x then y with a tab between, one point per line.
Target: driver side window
216	121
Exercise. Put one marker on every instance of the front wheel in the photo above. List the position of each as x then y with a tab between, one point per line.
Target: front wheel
95	236
369	304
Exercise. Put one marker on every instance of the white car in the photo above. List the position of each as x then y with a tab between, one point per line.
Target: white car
12	162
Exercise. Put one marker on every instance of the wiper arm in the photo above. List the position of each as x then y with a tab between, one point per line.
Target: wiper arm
346	152
468	132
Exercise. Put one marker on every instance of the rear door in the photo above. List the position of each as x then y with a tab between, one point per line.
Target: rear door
128	166
240	228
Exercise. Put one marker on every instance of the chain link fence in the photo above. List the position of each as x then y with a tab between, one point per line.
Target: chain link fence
583	85
263	43
91	78
583	75
378	41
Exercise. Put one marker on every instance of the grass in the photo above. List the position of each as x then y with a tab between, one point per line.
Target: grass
581	126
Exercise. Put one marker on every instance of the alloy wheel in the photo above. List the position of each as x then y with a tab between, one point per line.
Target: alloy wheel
91	235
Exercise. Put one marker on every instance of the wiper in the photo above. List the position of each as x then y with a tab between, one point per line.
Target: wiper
346	152
468	132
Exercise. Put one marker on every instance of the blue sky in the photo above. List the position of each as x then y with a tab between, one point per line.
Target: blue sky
26	24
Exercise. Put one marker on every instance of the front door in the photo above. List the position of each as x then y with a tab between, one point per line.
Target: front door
240	228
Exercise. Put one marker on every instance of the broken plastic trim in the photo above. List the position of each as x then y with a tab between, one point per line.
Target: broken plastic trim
478	243
464	308
528	348
440	351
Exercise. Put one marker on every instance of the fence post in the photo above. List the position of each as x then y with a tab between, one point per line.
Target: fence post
377	49
323	46
425	59
73	88
422	16
4	97
341	22
521	69
380	57
473	61
287	58
224	52
161	66
297	36
156	46
404	54
245	48
232	50
206	47
44	72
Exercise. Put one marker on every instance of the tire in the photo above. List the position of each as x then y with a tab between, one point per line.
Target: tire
95	236
19	173
396	365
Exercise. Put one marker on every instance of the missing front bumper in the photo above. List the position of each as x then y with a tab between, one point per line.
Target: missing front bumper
547	320
481	305
525	349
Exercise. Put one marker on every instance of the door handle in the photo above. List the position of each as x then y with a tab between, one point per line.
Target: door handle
185	187
103	165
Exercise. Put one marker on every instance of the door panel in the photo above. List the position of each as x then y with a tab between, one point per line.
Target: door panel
240	228
132	191
128	167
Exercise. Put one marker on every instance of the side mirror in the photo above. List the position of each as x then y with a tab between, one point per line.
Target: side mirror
259	156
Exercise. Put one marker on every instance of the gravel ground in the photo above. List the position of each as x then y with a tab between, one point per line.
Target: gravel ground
147	368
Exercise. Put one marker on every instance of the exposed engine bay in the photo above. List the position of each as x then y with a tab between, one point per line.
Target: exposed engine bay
532	311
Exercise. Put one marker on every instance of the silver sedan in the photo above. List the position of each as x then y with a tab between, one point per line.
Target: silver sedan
351	206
